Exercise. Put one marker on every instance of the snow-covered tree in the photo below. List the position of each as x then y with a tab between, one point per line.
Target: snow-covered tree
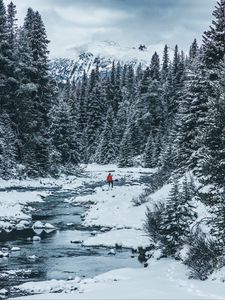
177	218
214	39
212	152
7	148
12	24
149	154
65	145
106	152
218	223
5	58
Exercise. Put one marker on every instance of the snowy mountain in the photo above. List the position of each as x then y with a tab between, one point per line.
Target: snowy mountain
86	57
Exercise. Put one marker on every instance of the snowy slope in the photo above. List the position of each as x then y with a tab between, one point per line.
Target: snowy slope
88	56
162	279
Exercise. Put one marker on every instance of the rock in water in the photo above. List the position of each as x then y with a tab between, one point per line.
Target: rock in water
49	226
4	292
15	249
32	257
4	254
112	252
5	249
38	225
20	227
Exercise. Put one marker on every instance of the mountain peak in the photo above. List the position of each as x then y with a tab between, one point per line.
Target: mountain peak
87	56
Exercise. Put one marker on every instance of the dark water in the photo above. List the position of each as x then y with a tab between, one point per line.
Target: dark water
56	256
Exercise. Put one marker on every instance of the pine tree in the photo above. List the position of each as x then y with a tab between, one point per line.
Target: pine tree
29	22
149	154
212	152
166	88
12	83
113	88
35	94
218	223
95	113
214	39
7	148
194	50
83	102
118	91
12	24
107	147
125	154
177	218
166	159
5	58
122	115
65	152
165	65
187	193
155	67
177	80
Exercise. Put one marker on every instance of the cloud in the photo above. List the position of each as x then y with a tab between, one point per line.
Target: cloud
130	22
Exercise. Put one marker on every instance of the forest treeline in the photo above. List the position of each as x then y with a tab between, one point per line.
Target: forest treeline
169	115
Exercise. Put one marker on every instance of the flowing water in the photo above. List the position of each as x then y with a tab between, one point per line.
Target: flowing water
56	256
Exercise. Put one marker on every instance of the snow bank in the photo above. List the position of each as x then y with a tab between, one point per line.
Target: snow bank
65	182
14	207
114	208
51	286
164	279
127	238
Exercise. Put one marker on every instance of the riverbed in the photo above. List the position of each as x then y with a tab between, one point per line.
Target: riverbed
60	253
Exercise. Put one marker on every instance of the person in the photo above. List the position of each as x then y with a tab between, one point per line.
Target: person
110	180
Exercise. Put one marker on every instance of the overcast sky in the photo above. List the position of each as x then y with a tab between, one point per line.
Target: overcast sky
71	23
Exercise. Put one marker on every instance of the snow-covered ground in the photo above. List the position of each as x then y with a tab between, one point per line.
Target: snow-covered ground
122	224
14	207
114	208
164	279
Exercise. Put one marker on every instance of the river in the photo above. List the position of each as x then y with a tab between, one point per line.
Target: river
60	253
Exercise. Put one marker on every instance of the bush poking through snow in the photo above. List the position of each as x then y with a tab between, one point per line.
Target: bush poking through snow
203	257
141	199
153	221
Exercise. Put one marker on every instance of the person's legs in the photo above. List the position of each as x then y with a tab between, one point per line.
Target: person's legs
112	184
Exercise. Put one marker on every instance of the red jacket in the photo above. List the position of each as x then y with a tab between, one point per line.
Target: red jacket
109	178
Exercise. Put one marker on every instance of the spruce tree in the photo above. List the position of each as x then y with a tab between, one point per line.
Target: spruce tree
212	152
149	154
95	111
177	81
218	223
12	83
12	24
155	67
7	148
107	147
214	39
5	59
165	65
125	153
177	218
35	93
65	152
194	50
